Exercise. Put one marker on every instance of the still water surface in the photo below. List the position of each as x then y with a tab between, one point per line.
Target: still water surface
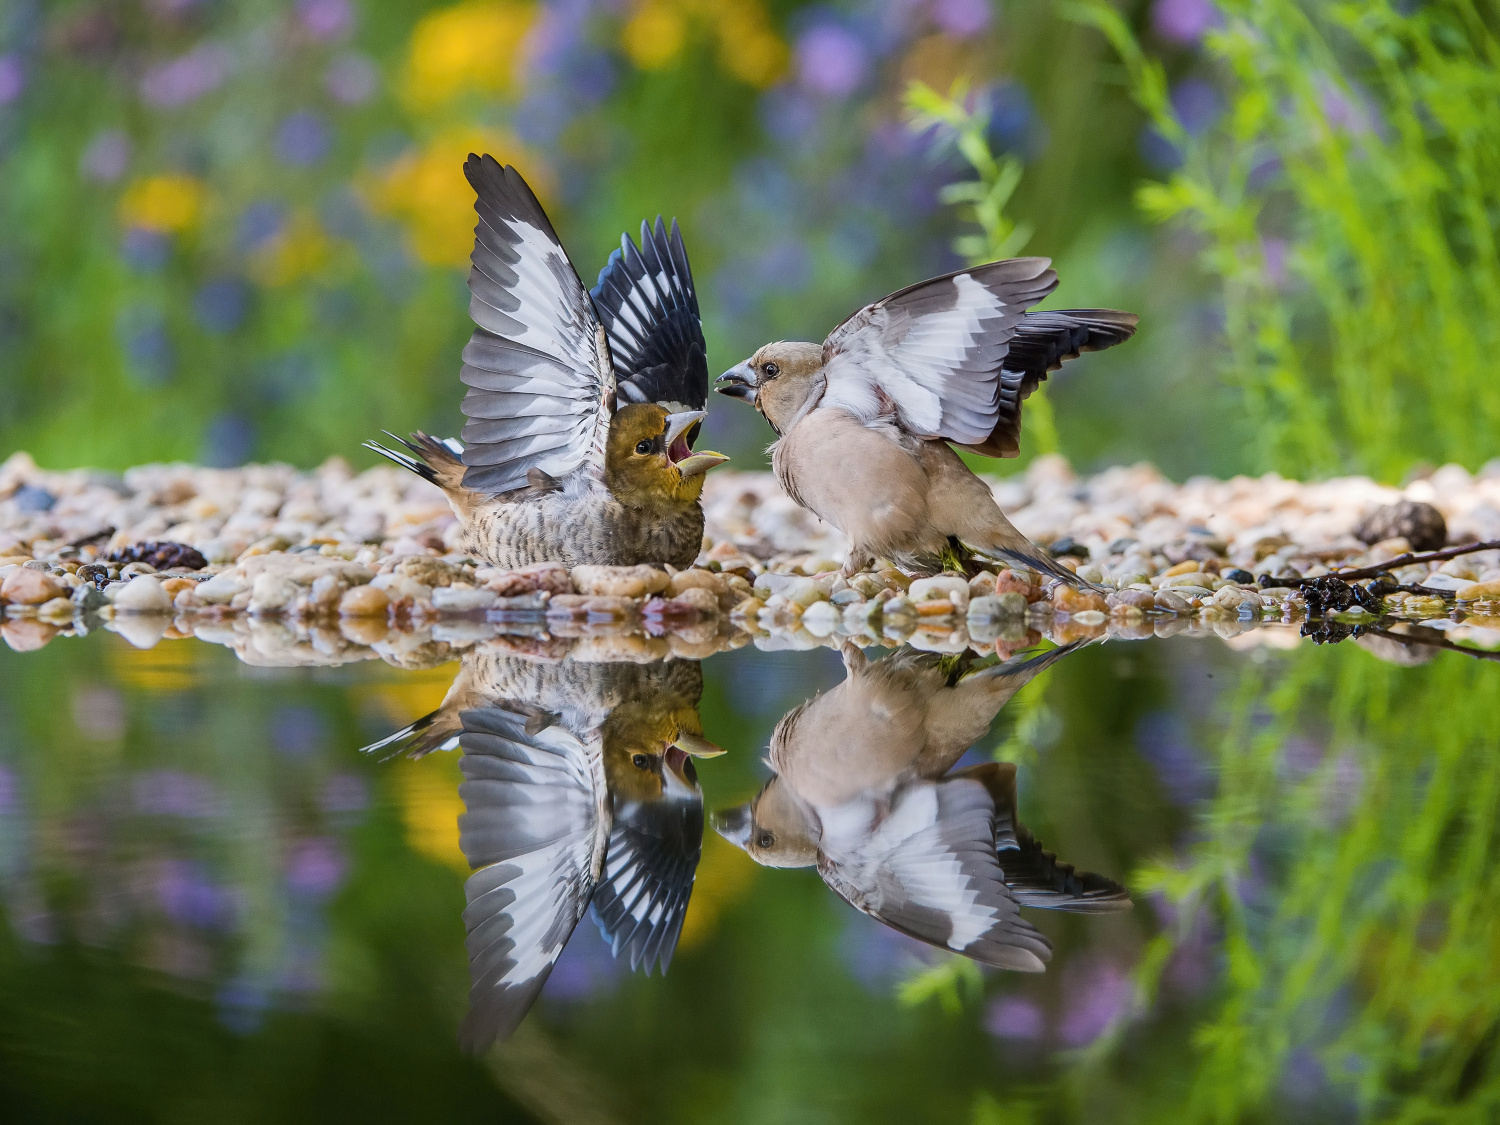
219	908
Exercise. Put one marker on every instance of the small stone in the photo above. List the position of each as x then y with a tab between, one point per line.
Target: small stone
1233	598
1481	592
695	579
24	586
221	588
982	585
821	619
271	593
847	596
550	577
58	609
1088	617
620	581
89	598
427	570
1238	575
1186	578
701	598
1137	599
997	607
1090	573
175	586
900	607
462	598
867	585
27	635
143	594
1448	583
1419	524
748	608
796	589
1011	582
1070	600
950	589
1187	566
1460	568
863	617
361	601
1169	600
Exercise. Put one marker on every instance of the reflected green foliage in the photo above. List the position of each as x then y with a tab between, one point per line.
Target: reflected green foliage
1346	193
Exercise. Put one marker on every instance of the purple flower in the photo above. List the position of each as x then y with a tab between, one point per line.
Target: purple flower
145	251
785	266
150	356
227	442
351	79
1164	740
297	731
188	896
961	17
106	156
7	789
326	19
1196	104
315	868
1347	111
12	78
173	793
220	305
787	114
1095	997
1014	1017
259	223
1184	21
831	60
302	139
1273	252
188	78
587	966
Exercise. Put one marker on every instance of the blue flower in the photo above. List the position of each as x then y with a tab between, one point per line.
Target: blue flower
302	139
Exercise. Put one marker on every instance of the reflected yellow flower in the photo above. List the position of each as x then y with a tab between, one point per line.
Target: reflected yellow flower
749	47
427	192
467	47
427	790
725	874
299	251
654	35
161	668
163	203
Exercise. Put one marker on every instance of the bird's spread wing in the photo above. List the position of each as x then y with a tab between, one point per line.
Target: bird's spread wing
649	867
929	870
532	830
1036	876
649	308
541	388
1042	342
935	351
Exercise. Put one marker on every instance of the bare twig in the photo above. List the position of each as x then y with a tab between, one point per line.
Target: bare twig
1409	558
1437	641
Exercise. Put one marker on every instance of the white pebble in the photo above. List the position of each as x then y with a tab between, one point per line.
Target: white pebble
143	594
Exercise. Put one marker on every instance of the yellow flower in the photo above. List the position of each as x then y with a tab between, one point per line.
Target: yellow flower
653	37
300	250
427	191
748	48
470	46
163	203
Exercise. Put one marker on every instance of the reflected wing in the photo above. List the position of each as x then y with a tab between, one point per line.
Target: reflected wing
649	867
532	830
1034	875
936	349
929	870
1042	342
541	389
649	308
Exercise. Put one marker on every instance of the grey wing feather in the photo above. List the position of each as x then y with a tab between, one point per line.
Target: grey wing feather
646	300
936	349
532	831
538	351
929	870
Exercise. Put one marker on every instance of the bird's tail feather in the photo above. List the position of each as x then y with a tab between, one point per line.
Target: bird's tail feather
1040	879
1036	559
1030	666
432	459
436	731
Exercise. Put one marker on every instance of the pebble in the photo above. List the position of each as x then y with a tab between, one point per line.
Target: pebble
1447	582
1481	592
1172	600
945	588
24	586
997	607
363	601
143	594
1073	601
821	618
220	589
1135	599
271	593
460	598
620	581
701	598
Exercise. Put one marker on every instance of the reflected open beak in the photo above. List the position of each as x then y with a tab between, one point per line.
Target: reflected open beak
734	824
739	382
697	746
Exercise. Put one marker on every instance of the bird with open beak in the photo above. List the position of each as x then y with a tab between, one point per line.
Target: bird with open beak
580	793
582	407
867	420
861	788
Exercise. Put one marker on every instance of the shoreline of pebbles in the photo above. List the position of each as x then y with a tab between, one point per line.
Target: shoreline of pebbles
333	560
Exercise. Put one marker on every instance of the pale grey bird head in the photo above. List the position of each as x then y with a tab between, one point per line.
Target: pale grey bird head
776	829
777	380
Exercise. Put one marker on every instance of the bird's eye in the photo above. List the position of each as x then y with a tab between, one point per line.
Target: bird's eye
771	370
643	447
640	761
766	839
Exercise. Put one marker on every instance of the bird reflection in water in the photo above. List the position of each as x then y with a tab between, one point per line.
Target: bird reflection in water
580	793
864	788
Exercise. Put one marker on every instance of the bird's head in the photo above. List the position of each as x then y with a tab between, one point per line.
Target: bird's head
648	752
777	380
776	829
647	458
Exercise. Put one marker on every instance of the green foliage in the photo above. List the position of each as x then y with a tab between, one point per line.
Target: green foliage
1347	200
949	982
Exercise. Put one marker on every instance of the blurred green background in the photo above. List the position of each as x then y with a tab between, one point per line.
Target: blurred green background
236	231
